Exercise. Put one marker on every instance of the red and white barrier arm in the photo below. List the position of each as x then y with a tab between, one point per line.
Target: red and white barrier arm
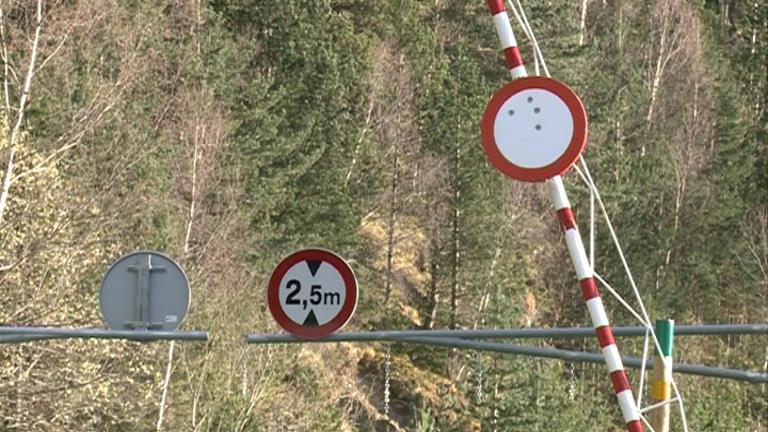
507	39
575	244
595	305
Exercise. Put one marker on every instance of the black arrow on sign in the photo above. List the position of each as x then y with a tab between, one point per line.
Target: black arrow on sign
311	319
313	266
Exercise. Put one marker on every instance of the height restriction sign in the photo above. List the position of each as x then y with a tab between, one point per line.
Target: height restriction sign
312	293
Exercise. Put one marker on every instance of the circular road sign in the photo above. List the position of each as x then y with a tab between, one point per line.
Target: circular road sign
312	293
144	290
534	129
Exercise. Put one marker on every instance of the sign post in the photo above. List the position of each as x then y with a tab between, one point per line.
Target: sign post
661	390
312	293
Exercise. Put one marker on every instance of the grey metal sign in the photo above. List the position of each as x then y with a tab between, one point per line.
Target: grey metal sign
144	290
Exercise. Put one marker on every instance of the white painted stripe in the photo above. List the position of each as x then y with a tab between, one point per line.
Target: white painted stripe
668	370
518	72
597	312
578	255
612	358
504	30
628	407
557	192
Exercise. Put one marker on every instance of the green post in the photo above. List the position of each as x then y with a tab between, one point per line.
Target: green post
662	375
665	331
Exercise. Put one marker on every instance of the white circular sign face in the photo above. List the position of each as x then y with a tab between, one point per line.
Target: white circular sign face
312	293
533	128
312	299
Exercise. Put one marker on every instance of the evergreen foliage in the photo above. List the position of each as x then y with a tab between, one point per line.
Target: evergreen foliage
230	133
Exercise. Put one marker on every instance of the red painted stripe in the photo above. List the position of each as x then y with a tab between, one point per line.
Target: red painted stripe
567	219
605	336
589	288
496	6
620	381
514	59
635	426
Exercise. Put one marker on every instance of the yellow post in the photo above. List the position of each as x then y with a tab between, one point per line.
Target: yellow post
662	377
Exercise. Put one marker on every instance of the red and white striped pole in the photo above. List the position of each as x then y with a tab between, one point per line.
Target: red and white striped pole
575	244
507	39
595	305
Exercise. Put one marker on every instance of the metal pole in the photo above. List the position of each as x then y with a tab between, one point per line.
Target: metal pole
530	333
567	355
553	353
661	390
26	334
581	264
9	339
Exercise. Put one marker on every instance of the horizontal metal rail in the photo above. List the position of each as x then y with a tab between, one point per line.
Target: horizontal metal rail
446	338
579	356
566	332
28	334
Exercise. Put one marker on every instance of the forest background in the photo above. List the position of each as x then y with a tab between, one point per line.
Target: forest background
230	133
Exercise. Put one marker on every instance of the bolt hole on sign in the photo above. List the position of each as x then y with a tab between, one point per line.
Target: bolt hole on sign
534	128
312	293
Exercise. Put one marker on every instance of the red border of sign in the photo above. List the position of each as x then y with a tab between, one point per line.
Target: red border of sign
564	162
350	302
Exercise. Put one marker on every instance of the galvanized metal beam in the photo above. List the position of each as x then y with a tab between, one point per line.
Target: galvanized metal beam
455	339
579	356
29	334
566	332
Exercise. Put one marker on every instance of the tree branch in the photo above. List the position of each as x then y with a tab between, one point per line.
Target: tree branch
14	133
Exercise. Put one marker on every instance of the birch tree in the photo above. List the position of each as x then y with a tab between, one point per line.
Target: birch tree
15	116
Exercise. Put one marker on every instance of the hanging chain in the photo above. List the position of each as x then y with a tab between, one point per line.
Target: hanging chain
480	368
495	412
572	382
387	376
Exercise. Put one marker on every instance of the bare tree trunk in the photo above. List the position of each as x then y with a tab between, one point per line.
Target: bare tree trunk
401	104
356	151
682	174
166	384
658	71
14	132
479	319
669	45
434	293
198	139
754	58
456	252
620	29
192	205
495	404
583	23
392	217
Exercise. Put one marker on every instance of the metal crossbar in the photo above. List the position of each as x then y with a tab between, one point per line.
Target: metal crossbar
455	339
10	334
561	332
